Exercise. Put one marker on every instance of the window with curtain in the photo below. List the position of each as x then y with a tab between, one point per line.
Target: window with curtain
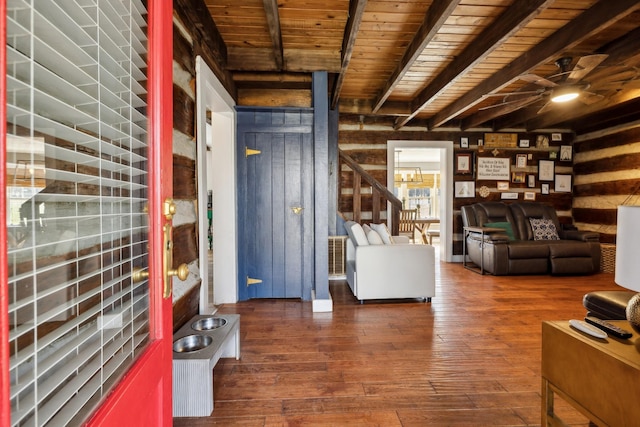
76	192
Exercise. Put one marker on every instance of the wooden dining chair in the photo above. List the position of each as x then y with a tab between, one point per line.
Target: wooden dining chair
408	223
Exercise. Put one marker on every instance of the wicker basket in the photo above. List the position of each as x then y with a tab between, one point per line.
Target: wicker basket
608	258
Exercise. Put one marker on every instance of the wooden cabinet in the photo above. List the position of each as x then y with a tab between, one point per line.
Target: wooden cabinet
598	377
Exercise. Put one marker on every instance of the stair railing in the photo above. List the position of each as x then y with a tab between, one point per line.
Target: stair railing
379	192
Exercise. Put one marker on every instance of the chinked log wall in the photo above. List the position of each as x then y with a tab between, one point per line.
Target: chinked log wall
186	294
368	147
607	174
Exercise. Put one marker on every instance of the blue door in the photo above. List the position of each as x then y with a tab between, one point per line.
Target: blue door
275	203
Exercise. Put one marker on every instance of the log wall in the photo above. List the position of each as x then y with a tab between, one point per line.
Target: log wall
368	146
185	189
607	174
194	34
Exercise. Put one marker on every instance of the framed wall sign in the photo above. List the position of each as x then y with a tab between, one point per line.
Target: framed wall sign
521	160
464	142
494	168
546	169
501	140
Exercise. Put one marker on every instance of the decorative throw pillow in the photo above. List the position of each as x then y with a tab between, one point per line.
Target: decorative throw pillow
383	231
543	229
366	229
356	233
506	226
374	238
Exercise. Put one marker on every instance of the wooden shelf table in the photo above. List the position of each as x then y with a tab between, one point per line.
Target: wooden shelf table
598	377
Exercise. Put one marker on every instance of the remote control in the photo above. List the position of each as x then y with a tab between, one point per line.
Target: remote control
588	329
609	328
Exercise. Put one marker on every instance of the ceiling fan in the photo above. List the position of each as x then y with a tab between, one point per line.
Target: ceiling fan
565	85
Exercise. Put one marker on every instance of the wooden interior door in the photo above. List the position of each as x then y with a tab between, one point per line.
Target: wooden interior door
275	204
95	173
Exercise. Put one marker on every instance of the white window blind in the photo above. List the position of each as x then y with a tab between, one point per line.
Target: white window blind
76	192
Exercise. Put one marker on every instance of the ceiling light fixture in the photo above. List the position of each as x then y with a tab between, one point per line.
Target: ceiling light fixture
406	174
565	94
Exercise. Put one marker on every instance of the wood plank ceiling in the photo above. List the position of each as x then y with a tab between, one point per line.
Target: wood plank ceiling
440	63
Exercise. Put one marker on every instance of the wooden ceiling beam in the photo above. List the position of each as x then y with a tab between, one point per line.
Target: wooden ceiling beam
438	13
356	12
513	19
517	118
627	112
622	49
564	113
359	106
273	21
491	113
596	18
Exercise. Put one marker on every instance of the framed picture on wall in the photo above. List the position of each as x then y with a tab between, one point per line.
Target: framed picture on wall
465	189
464	142
464	163
544	188
518	177
563	184
546	170
566	153
503	186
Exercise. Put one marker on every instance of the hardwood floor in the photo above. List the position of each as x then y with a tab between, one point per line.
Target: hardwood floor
471	357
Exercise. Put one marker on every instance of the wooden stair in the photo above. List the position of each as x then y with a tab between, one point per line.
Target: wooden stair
380	195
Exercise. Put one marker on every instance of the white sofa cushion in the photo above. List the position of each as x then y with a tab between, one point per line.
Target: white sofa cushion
383	231
374	238
356	233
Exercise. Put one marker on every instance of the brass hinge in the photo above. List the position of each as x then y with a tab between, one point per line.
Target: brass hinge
252	281
251	151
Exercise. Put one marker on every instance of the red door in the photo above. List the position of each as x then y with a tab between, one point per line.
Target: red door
142	396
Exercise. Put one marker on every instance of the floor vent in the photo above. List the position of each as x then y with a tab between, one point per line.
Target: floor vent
337	255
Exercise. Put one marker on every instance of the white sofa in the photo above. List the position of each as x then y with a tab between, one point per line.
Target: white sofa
383	267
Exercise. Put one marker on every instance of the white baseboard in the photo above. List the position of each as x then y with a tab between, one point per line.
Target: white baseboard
321	305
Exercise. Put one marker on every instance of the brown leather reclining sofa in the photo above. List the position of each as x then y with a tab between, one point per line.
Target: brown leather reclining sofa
532	240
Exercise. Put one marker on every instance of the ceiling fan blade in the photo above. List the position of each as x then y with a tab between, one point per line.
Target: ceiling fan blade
585	65
546	107
512	105
506	94
541	81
